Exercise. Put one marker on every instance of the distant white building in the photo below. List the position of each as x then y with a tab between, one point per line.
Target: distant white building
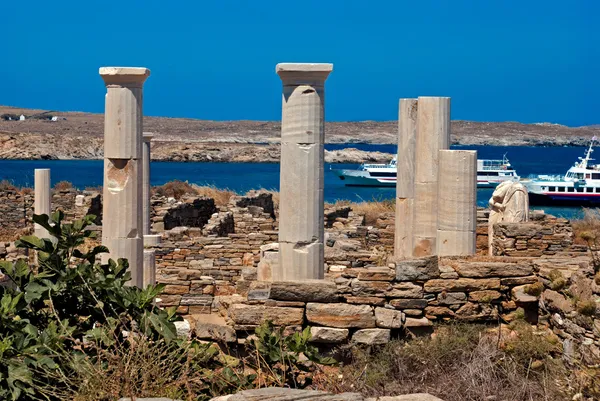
22	118
54	118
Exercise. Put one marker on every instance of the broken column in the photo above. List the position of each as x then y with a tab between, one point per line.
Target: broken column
150	240
405	184
301	230
433	135
122	226
42	196
457	210
147	138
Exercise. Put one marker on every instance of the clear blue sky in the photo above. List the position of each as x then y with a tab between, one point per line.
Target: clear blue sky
503	60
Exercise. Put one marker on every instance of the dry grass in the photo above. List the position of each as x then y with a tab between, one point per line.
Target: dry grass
63	186
588	227
371	210
220	196
134	368
459	363
174	189
6	185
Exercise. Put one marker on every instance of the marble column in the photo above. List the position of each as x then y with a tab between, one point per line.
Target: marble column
42	197
122	226
433	135
147	138
301	230
405	184
457	207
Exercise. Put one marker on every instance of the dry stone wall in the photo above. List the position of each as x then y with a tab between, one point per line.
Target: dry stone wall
546	235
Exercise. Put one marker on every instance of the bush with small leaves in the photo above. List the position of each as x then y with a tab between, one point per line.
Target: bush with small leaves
64	300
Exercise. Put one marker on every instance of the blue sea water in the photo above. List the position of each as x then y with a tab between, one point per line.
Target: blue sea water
241	177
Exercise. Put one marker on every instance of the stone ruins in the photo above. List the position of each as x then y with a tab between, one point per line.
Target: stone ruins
509	204
227	267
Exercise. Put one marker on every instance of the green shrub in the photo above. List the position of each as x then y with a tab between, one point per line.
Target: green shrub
278	356
64	301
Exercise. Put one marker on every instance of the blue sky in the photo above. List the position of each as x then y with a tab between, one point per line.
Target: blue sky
508	60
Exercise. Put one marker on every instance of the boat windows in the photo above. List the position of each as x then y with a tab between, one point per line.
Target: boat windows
570	189
488	173
589	189
552	189
381	174
588	176
561	189
580	189
595	176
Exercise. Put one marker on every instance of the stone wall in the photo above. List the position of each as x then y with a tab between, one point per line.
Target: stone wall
16	210
371	305
545	235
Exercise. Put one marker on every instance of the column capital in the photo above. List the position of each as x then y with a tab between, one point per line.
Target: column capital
147	136
124	76
303	73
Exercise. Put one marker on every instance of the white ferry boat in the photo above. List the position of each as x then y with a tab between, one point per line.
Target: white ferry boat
580	186
489	174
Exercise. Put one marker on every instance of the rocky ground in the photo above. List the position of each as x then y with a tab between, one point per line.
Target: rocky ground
181	139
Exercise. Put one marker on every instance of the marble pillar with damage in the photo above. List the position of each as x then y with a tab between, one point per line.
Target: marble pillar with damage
301	230
433	135
405	184
123	217
42	199
457	203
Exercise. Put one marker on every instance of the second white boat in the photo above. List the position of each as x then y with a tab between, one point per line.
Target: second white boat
489	174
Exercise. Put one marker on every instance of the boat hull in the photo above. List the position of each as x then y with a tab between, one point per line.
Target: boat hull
358	178
564	199
355	178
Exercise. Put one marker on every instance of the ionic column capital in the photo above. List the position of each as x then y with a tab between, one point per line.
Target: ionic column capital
129	77
303	73
147	136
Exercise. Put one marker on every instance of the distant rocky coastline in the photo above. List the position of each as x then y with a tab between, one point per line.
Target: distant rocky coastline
77	135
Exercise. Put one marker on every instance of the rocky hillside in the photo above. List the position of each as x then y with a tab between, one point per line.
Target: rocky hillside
79	136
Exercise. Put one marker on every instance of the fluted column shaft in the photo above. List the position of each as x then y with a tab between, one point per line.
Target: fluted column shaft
433	135
301	230
457	208
405	183
42	197
123	218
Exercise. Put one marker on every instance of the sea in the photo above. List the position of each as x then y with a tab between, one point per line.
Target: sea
242	177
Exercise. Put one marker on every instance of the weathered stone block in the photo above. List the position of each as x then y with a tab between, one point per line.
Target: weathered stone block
304	291
371	336
377	274
213	327
412	322
484	296
492	269
405	290
328	335
340	315
417	269
452	298
256	314
461	285
378	301
409	303
370	288
389	318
